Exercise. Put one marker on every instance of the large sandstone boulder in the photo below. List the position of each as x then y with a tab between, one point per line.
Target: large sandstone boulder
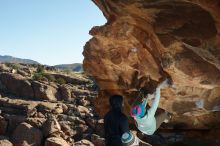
145	41
25	135
16	84
46	92
56	141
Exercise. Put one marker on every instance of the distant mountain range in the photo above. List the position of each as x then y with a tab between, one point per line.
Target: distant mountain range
10	59
71	67
77	67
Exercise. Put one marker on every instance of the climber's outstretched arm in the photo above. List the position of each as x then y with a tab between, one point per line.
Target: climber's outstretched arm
153	108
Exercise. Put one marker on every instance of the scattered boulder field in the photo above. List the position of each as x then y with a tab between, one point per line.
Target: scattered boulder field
44	106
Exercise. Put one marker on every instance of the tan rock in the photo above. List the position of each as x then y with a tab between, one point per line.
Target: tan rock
25	135
18	106
56	141
83	109
65	127
50	107
84	142
46	107
4	68
23	73
51	127
46	92
36	122
66	92
5	142
17	84
58	109
65	108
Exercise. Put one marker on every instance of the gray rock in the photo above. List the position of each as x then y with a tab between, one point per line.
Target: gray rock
13	122
51	127
3	125
25	134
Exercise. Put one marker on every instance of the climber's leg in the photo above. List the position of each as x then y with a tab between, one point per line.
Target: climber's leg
161	117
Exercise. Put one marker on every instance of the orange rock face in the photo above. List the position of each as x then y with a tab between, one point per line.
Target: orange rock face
145	41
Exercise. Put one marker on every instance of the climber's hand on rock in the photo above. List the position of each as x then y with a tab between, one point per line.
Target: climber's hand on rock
164	84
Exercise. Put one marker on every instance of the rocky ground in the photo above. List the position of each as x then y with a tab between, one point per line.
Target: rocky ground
43	111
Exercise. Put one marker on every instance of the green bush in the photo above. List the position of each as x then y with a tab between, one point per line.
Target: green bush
38	76
61	81
44	76
40	69
50	78
67	71
12	65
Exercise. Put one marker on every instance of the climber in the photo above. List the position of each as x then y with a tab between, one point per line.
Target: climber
115	122
146	121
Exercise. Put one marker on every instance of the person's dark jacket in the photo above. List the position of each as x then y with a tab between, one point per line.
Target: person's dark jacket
115	124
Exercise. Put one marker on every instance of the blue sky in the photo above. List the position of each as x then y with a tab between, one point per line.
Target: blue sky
48	31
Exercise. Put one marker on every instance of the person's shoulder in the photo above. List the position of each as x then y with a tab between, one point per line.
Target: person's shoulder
123	116
107	114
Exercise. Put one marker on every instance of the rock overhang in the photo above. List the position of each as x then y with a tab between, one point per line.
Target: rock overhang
145	41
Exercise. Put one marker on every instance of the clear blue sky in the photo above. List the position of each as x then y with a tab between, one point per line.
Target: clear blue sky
48	31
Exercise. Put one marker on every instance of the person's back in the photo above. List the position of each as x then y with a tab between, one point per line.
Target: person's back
115	122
